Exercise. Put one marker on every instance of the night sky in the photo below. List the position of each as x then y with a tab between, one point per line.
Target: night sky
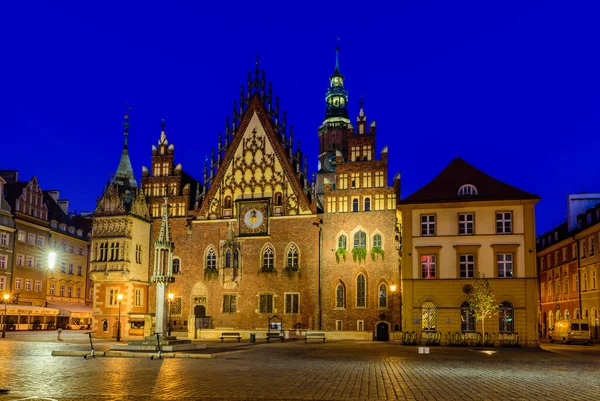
512	88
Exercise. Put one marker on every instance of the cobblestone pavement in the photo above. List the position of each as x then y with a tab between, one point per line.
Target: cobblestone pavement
298	371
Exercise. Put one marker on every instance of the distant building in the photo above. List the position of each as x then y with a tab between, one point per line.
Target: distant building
7	239
569	266
35	280
461	224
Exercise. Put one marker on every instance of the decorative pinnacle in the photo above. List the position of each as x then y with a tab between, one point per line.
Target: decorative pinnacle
163	125
362	102
126	125
256	69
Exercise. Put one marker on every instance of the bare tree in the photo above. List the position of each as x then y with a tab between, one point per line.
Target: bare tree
482	300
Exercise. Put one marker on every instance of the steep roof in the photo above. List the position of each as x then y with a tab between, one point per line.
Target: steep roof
445	187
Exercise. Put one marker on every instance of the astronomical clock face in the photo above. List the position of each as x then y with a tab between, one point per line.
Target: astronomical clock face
253	218
330	162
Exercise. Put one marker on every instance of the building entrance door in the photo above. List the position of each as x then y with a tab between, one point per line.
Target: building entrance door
383	333
199	310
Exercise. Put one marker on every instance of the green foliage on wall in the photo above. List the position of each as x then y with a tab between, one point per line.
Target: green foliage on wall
377	250
210	274
341	252
359	254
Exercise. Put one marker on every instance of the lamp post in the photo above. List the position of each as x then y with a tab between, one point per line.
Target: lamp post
6	296
393	288
170	296
119	298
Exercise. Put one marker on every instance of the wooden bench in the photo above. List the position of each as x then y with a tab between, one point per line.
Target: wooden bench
230	335
316	336
274	336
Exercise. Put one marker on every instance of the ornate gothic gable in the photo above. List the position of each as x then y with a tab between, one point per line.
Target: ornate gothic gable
139	206
255	166
111	203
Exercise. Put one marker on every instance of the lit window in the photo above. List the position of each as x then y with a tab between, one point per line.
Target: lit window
428	269
211	259
467	318
428	317
382	295
506	317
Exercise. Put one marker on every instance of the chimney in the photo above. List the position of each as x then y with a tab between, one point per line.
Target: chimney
54	194
64	205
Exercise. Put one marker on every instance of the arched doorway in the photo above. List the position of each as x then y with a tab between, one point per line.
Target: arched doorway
383	331
199	310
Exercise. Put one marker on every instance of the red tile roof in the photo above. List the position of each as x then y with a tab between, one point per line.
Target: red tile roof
444	187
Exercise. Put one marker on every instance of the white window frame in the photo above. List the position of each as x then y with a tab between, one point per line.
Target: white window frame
505	259
21	236
28	284
40	240
467	260
3	261
139	297
339	325
505	219
428	228
38	285
360	325
31	238
3	239
18	284
464	223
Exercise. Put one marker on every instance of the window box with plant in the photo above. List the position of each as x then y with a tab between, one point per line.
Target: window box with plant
359	254
210	274
376	250
341	253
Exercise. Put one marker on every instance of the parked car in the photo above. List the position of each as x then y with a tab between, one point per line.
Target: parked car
569	331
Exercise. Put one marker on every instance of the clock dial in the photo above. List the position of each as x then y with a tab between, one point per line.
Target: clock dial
330	163
253	218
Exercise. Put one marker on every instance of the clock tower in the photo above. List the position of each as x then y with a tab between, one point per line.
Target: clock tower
333	133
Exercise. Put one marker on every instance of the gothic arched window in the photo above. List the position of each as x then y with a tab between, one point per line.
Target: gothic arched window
355	205
292	257
377	241
342	242
340	296
236	258
367	204
506	318
361	290
360	239
268	259
383	295
211	259
228	258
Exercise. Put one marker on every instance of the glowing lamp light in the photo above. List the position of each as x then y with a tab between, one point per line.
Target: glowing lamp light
393	287
6	296
171	296
51	260
120	297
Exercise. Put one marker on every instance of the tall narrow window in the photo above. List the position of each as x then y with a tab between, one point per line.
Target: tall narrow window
367	204
340	296
229	303
266	303
428	317
342	240
211	259
377	241
292	257
465	224
176	266
382	295
467	266
292	303
228	258
361	291
506	317
355	205
467	318
428	224
503	223
268	259
428	269
505	264
236	258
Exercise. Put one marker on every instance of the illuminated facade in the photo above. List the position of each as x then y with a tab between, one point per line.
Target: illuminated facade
257	238
461	224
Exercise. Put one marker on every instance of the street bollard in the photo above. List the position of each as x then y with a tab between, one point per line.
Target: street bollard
59	331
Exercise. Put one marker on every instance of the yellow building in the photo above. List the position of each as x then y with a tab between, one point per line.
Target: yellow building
459	225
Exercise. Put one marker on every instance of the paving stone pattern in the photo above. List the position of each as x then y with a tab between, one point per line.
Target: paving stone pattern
299	371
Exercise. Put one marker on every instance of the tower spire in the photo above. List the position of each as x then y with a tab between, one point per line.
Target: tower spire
124	175
336	98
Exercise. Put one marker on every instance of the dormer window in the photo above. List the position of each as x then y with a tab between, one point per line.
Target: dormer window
62	226
467	190
556	236
589	218
79	232
71	230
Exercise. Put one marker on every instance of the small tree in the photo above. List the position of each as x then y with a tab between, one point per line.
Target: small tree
482	300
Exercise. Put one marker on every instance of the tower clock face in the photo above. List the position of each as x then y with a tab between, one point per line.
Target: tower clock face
253	217
330	162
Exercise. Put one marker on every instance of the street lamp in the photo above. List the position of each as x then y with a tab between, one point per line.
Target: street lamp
119	298
6	296
393	288
171	296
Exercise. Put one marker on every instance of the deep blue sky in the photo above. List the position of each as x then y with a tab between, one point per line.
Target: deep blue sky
512	88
